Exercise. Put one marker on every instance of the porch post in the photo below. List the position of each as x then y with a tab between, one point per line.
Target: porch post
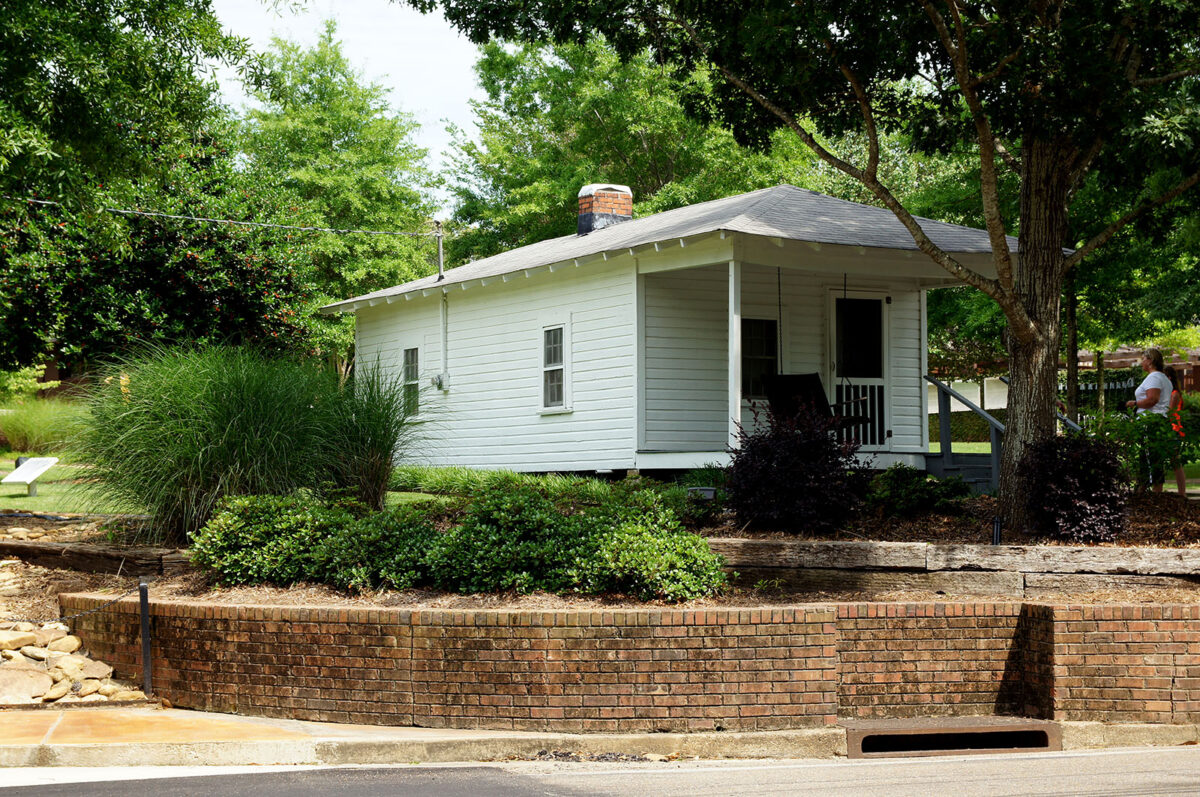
735	350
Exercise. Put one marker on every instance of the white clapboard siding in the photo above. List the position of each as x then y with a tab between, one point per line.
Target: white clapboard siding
490	417
906	382
685	359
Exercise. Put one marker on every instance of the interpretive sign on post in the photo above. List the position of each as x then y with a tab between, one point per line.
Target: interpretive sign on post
29	471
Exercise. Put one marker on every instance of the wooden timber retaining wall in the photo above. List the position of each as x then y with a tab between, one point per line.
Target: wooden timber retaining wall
651	669
1015	571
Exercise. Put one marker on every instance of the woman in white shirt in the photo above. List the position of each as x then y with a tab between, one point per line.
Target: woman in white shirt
1152	395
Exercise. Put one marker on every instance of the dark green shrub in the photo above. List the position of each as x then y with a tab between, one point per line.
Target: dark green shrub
256	539
1140	441
793	474
511	537
966	426
644	552
515	537
1077	491
904	491
381	550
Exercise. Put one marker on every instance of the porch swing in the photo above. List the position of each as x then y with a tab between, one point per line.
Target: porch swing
857	409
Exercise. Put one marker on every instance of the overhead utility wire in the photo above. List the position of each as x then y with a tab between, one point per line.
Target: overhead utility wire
297	228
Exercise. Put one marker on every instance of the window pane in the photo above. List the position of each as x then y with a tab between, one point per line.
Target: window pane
411	370
552	388
411	399
760	354
553	349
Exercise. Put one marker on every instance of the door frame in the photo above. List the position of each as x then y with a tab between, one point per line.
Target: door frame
884	299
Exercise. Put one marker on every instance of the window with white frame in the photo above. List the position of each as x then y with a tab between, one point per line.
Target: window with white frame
760	355
412	387
554	367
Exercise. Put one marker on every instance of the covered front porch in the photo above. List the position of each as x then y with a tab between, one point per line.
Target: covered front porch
709	333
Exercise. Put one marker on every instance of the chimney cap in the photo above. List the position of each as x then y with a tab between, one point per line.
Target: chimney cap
592	188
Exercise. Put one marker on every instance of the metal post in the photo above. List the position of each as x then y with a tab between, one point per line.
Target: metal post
944	428
144	600
441	252
996	530
996	444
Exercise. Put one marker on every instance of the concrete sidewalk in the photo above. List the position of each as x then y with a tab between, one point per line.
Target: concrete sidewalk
151	736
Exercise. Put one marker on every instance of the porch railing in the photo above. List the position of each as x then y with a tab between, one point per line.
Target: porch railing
995	428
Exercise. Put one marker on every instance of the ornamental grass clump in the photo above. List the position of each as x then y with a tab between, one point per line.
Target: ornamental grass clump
177	430
40	426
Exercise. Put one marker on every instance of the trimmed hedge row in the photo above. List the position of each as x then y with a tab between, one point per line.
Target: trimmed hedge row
511	536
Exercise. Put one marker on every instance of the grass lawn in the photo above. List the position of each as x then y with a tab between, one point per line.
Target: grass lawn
398	498
963	448
57	489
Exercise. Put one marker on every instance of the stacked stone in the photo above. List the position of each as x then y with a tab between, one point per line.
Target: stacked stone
44	664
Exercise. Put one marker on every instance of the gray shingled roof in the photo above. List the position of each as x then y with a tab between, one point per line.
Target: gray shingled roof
784	211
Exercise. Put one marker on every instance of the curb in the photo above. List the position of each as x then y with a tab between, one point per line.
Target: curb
815	743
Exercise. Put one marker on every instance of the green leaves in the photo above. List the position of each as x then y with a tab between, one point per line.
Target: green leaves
332	141
82	85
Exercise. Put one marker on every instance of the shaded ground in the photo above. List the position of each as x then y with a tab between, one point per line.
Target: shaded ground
1163	520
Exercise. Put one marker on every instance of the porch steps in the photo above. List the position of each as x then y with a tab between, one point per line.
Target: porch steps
935	736
975	469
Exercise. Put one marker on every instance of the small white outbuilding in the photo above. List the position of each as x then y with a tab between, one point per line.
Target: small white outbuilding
640	343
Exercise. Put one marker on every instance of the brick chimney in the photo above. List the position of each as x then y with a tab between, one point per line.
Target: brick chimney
603	205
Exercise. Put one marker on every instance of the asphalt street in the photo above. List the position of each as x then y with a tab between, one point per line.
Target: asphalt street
1143	771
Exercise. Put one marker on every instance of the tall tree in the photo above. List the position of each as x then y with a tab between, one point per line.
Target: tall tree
83	84
333	140
78	285
1048	89
559	117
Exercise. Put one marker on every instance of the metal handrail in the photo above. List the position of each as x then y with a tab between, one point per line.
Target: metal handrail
942	386
945	393
1070	424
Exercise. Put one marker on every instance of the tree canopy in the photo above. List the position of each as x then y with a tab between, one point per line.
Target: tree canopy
84	85
76	286
331	139
559	117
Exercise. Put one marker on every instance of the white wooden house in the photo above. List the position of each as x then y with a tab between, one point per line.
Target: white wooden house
639	343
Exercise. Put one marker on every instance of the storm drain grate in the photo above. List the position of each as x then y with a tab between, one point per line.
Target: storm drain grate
949	736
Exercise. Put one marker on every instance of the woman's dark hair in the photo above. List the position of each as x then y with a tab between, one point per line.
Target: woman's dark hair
1173	375
1155	357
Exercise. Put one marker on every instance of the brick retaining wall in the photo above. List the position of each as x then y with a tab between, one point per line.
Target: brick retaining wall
640	670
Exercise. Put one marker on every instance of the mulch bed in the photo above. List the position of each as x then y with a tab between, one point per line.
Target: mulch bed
1153	520
1156	520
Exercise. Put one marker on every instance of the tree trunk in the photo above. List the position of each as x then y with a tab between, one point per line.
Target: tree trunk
1033	353
1072	324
